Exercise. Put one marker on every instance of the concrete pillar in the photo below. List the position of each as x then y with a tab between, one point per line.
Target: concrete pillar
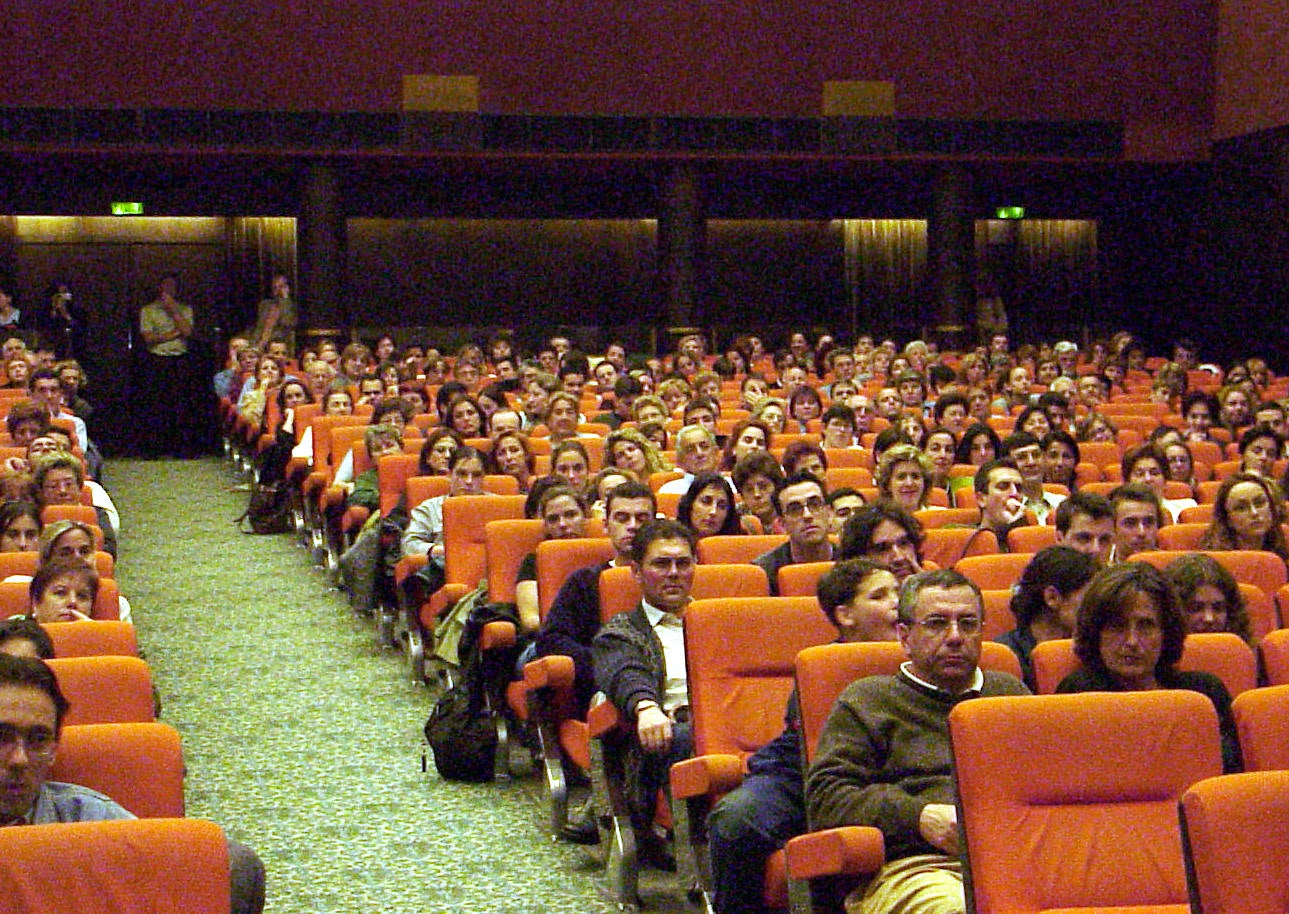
323	251
951	255
682	242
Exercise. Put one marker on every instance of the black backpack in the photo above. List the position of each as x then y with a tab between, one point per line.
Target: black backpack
268	511
461	731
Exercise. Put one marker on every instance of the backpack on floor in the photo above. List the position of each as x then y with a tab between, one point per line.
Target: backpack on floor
461	731
269	510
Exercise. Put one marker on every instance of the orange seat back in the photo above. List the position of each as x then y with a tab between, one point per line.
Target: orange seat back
733	550
802	579
995	572
1274	653
139	765
943	517
15	600
1262	721
1236	842
619	591
1200	514
423	488
1094	778
1031	539
1222	654
93	639
947	545
465	518
323	428
85	514
507	543
739	653
854	477
557	559
1264	570
1181	537
823	673
392	474
105	690
998	614
133	866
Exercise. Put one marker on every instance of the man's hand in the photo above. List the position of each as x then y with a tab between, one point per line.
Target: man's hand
653	727
939	826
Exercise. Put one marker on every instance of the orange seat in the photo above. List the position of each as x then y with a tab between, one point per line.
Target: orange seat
557	559
1200	514
139	765
26	563
942	517
998	614
995	572
1262	721
945	546
1223	654
620	593
15	600
105	690
734	550
1236	843
135	866
84	514
392	474
465	561
802	579
1031	539
739	684
823	673
854	477
1093	778
842	458
1183	537
1264	570
93	639
1274	653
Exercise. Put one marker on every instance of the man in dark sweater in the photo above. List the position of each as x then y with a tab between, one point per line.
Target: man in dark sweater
574	617
639	659
807	517
884	757
750	823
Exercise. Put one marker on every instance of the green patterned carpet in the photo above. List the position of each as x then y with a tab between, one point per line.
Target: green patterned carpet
304	740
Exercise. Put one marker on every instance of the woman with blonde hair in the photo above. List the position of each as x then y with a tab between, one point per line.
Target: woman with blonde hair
628	449
904	476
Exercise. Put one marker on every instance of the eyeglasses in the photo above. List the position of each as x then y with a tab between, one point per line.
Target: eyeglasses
38	742
938	626
815	504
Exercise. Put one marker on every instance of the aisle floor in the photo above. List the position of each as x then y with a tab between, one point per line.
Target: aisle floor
303	739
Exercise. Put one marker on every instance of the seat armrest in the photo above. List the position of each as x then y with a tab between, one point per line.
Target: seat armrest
706	775
603	719
439	603
551	672
849	850
497	635
354	518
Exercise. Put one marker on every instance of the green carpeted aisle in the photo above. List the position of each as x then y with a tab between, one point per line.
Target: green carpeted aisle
303	740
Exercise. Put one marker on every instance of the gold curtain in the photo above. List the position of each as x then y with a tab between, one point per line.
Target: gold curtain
886	268
1047	271
258	247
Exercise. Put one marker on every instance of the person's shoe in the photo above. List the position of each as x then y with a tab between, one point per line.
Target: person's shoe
581	830
654	853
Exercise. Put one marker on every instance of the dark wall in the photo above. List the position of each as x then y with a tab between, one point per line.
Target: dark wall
1145	63
1252	68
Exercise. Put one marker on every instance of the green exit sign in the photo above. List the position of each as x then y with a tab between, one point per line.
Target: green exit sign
127	208
1010	212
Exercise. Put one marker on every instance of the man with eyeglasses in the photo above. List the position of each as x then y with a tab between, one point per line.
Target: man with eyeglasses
807	518
884	757
32	708
639	660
